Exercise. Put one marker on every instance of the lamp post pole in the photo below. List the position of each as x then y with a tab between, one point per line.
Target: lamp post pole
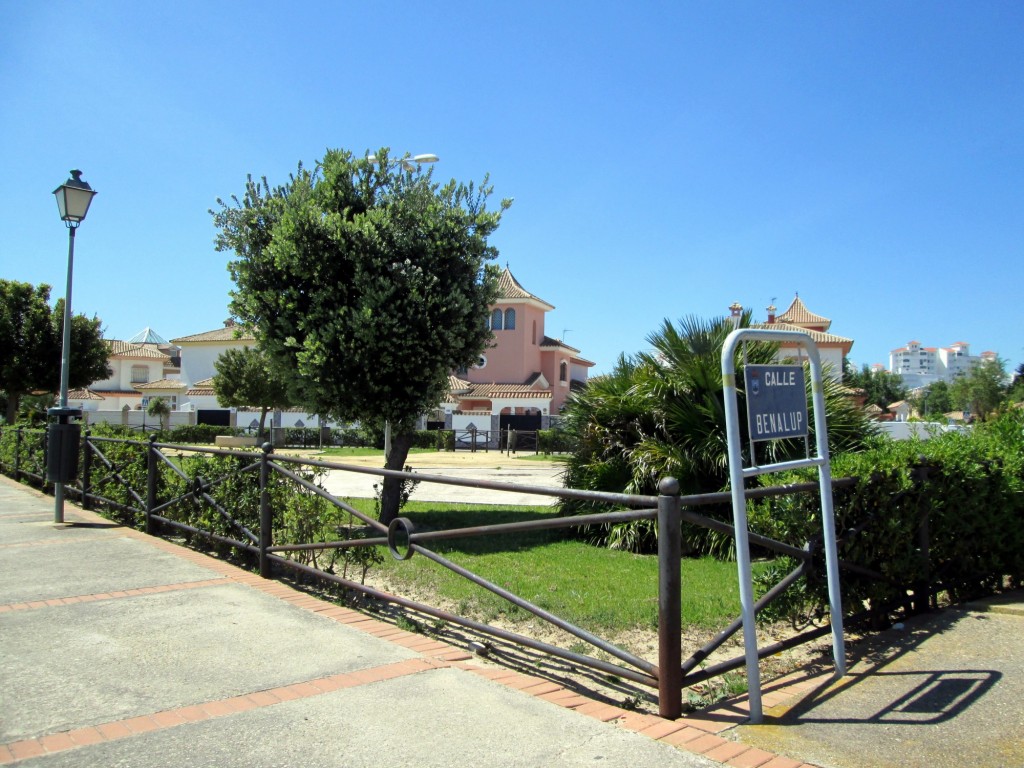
408	163
73	199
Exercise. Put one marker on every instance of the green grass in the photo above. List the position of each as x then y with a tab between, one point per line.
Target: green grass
541	456
599	589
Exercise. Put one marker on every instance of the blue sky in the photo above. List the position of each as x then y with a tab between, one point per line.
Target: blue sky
666	158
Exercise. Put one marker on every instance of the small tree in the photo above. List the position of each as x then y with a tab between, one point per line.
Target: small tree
31	334
160	409
245	377
369	283
982	389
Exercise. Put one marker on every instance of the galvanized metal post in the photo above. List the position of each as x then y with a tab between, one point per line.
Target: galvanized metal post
670	655
86	470
266	516
151	470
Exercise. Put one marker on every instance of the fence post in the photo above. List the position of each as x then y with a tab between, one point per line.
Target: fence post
266	516
151	470
670	656
86	469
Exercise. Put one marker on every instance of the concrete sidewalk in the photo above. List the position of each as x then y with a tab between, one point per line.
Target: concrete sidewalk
120	649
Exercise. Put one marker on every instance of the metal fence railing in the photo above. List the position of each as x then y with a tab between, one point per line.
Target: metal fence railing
241	500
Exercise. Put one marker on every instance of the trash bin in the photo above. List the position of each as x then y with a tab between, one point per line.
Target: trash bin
62	440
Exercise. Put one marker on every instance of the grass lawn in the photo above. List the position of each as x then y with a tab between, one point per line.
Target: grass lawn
599	589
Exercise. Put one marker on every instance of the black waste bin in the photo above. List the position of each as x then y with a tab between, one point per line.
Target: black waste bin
62	439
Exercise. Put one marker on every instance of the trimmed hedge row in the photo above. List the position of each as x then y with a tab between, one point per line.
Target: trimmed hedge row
944	514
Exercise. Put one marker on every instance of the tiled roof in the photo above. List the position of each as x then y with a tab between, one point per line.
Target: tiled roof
162	384
127	349
509	288
532	388
230	332
799	314
84	394
548	343
203	387
819	337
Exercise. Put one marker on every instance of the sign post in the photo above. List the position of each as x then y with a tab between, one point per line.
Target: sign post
776	398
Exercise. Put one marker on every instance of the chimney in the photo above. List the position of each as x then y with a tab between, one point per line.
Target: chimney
736	312
771	309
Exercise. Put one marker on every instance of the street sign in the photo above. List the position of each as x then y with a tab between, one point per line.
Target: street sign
776	401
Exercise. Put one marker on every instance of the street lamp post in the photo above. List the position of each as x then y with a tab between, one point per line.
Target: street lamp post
73	199
409	163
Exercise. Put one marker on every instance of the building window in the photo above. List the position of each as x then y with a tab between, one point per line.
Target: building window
535	333
140	374
563	371
481	362
510	319
496	320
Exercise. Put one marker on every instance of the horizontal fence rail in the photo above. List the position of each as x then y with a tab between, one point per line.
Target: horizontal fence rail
232	498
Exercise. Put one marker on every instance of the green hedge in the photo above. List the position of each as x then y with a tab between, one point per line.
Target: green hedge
960	497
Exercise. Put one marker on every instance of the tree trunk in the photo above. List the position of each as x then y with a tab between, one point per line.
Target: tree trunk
263	421
13	400
390	497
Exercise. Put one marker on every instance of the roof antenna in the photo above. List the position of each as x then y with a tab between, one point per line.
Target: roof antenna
565	331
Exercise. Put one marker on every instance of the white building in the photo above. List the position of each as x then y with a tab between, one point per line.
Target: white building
920	366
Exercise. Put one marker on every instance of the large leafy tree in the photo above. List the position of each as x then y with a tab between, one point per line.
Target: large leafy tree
662	413
245	377
369	281
981	390
934	401
31	334
880	387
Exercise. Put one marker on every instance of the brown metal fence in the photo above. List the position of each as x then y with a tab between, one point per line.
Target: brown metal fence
145	481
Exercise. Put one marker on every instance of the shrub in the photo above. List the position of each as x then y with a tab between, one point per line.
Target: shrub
960	497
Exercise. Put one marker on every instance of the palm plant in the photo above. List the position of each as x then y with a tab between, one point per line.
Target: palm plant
662	413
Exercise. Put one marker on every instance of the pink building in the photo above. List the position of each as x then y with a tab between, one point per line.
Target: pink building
524	377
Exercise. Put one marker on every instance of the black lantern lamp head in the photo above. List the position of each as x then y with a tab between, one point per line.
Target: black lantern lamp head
73	199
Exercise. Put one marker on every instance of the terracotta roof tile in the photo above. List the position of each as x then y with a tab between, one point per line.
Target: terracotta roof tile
162	384
127	349
799	314
231	332
509	288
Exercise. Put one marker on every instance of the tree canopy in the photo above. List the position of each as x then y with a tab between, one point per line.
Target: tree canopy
880	387
31	334
245	377
980	391
369	282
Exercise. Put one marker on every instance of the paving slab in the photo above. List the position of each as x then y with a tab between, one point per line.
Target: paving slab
441	717
940	691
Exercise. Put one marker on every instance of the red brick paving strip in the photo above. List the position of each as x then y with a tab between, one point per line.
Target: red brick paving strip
694	734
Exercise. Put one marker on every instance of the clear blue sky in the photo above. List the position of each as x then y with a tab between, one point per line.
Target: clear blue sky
666	158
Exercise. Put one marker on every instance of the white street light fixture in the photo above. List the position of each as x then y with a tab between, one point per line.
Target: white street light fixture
73	199
410	162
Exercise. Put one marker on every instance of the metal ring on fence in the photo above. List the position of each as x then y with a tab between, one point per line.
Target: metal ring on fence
406	525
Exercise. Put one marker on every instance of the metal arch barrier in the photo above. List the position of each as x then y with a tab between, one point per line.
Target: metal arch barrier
738	474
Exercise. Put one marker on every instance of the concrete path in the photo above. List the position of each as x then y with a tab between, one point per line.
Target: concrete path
120	649
491	466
